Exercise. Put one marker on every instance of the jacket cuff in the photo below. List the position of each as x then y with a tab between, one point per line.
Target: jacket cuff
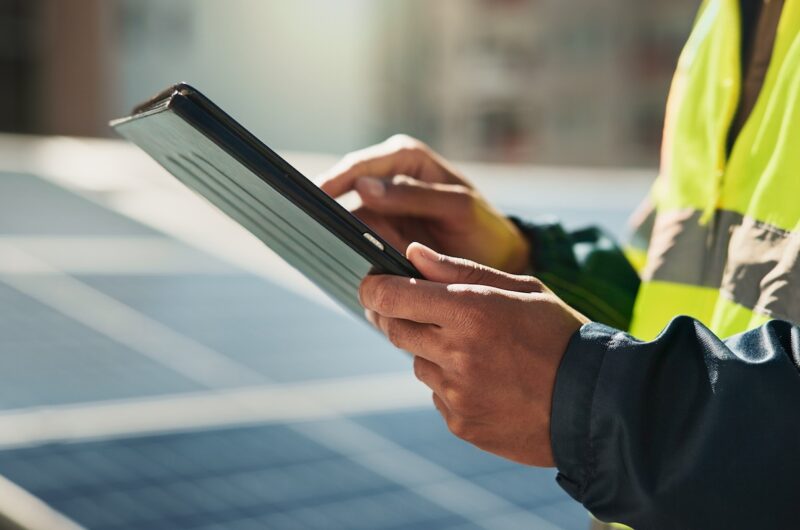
550	245
571	414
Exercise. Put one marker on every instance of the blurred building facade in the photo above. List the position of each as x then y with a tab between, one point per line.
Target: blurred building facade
17	65
55	66
545	81
541	81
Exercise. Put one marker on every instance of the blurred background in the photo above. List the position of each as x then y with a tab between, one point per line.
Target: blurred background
160	368
542	81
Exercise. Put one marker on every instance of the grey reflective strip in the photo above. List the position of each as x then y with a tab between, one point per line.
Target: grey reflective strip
763	271
753	264
643	222
684	251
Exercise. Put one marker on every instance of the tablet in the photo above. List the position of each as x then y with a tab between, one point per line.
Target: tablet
217	158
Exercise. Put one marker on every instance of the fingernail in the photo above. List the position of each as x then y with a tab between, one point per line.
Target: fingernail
427	253
369	314
371	186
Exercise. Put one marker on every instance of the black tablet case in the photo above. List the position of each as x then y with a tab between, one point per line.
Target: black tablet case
216	157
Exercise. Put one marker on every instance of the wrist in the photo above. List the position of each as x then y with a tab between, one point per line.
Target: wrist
519	257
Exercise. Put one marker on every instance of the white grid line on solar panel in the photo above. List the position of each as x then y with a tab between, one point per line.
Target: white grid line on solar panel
288	471
124	180
23	510
277	403
123	323
112	255
419	474
189	217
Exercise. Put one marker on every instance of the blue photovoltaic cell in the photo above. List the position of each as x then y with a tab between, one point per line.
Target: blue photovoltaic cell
425	433
280	334
47	358
267	475
32	206
235	477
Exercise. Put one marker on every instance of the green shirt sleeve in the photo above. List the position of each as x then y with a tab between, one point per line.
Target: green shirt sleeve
586	268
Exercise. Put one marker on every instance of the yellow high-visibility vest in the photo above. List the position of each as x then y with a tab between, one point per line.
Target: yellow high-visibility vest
725	247
725	244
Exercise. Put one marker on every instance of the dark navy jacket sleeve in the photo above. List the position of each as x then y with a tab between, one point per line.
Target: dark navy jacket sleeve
685	432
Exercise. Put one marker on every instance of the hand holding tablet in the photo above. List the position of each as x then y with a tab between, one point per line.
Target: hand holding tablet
411	194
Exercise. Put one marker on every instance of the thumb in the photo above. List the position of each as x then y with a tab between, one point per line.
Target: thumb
446	269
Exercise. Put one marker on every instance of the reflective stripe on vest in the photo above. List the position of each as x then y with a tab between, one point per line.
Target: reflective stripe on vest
725	245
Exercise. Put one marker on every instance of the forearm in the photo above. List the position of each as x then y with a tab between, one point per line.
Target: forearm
687	431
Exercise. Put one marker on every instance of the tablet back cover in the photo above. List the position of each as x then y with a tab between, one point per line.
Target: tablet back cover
212	172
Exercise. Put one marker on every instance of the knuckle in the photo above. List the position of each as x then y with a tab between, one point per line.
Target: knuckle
466	366
460	427
537	285
468	195
458	362
477	294
403	140
419	368
437	403
397	138
405	145
464	199
394	333
403	180
365	291
532	284
358	166
470	373
475	273
381	296
410	151
350	160
456	399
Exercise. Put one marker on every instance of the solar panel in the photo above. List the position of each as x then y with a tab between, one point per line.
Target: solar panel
32	206
386	469
282	336
48	359
264	474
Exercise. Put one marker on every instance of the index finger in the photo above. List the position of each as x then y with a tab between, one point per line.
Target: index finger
410	299
380	161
